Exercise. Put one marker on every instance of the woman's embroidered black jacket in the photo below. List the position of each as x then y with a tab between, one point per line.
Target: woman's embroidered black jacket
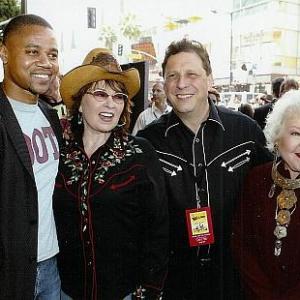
112	220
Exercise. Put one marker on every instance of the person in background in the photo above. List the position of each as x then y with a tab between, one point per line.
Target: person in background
269	99
109	202
260	99
288	84
235	102
260	113
267	249
214	95
158	107
205	151
30	135
246	109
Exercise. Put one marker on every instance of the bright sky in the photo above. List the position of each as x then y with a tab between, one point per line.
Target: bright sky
152	12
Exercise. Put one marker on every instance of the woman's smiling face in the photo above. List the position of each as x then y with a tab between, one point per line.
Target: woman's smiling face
289	145
101	116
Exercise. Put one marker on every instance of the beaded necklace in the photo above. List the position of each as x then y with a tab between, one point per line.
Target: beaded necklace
286	205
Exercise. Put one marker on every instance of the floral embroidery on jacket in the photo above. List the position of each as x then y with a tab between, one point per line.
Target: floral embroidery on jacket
74	161
77	161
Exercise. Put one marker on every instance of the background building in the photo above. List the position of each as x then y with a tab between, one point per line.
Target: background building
265	42
250	41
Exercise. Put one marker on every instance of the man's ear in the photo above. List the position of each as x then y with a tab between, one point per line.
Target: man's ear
164	87
210	81
3	54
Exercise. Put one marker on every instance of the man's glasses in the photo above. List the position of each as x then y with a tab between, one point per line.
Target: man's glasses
101	96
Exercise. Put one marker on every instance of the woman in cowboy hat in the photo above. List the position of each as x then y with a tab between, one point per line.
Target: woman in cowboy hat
109	204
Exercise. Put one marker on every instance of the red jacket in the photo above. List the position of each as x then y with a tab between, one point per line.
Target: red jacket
266	276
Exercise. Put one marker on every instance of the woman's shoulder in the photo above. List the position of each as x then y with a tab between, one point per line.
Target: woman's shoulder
146	148
144	143
260	176
261	170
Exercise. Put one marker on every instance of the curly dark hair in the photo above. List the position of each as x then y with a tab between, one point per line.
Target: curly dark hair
116	86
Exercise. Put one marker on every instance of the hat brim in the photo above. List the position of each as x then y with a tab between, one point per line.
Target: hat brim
80	76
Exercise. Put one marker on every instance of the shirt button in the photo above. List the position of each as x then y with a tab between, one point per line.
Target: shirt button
93	162
197	140
283	268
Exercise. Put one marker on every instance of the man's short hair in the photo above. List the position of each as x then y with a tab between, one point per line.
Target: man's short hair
186	45
20	21
288	84
276	83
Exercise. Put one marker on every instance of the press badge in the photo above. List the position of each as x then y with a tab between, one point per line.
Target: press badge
199	226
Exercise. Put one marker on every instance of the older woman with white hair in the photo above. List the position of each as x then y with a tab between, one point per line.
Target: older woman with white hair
266	228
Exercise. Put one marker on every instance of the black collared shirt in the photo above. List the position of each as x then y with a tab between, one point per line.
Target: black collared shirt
217	157
206	168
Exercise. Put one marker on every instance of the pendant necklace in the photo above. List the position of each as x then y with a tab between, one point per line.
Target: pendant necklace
286	205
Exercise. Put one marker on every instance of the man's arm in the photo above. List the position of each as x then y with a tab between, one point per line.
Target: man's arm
156	230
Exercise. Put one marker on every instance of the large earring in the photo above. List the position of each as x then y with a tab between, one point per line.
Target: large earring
276	153
274	168
121	125
122	120
79	118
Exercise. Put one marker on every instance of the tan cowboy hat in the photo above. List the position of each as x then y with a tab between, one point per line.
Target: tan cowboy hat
99	64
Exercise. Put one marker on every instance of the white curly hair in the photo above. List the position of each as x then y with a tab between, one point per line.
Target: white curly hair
287	107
